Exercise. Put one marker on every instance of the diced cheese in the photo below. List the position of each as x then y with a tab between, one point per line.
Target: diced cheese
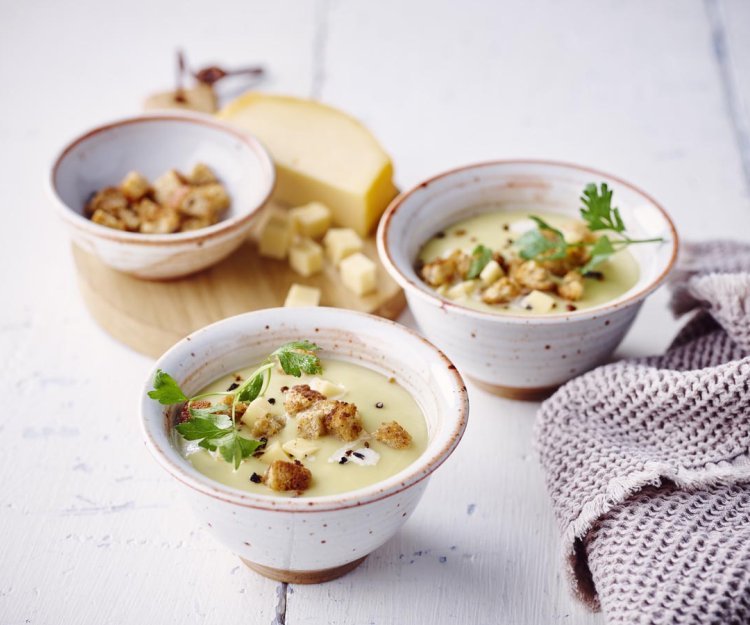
256	409
321	154
491	273
311	220
359	274
300	448
306	257
539	302
462	289
275	237
327	388
340	243
274	452
301	295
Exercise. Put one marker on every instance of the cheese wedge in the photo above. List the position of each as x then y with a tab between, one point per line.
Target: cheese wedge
321	154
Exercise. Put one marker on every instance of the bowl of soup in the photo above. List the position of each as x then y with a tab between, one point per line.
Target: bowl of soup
526	273
304	438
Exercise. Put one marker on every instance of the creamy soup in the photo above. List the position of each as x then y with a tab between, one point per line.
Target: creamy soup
336	466
500	231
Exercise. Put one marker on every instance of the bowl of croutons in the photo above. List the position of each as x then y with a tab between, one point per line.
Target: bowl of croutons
161	195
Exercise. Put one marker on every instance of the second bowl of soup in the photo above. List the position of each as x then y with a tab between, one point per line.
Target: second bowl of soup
526	273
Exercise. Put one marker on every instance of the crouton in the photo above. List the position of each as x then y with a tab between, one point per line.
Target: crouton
103	218
170	189
393	435
185	412
205	201
109	200
531	276
195	223
571	287
439	271
500	292
311	423
282	476
134	186
344	421
201	174
166	221
300	397
268	426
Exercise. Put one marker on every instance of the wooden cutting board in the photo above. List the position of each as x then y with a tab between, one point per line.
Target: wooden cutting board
151	316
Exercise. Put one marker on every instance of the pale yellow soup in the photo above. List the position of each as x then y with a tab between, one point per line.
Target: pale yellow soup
365	388
498	230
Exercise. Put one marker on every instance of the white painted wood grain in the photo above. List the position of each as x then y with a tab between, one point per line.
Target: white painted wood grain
91	531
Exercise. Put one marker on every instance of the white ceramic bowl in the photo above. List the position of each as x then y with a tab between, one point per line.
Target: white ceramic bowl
151	144
522	357
309	539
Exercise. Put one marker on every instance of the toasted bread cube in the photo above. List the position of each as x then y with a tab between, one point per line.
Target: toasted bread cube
301	295
311	220
275	237
306	257
571	287
201	174
283	475
299	398
344	421
170	189
300	448
165	221
327	388
492	272
109	200
311	423
208	201
130	218
501	291
147	209
393	434
103	218
340	243
273	453
538	302
359	274
134	186
196	223
268	425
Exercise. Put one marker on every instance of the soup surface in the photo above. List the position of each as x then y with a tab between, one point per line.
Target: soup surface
378	400
499	231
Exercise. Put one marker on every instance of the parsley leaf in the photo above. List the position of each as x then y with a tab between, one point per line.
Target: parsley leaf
298	357
597	210
166	390
207	413
544	241
250	390
479	259
237	448
209	428
601	251
218	432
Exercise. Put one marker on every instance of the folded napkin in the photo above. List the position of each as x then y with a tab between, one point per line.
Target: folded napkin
647	464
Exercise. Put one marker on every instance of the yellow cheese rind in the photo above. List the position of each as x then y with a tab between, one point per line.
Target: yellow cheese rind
301	295
321	154
306	257
359	274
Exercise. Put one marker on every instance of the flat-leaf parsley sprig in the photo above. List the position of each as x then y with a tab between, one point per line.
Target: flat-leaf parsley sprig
547	243
211	426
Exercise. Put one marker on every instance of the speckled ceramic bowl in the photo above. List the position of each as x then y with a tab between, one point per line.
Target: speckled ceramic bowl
518	356
309	539
151	144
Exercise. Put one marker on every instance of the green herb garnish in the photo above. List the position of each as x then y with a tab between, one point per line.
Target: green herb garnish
547	243
212	426
479	259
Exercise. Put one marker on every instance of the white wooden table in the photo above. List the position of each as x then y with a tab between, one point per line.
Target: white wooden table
91	530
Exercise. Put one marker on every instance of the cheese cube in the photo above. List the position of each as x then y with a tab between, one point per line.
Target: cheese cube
256	409
311	220
492	272
300	448
301	295
275	237
274	452
321	154
462	289
329	389
539	302
340	243
359	274
306	257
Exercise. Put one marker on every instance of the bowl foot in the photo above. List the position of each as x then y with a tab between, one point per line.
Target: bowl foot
304	577
537	393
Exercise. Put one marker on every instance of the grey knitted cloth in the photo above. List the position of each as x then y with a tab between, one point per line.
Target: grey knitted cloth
646	461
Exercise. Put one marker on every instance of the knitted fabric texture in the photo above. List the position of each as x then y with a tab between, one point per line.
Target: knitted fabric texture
646	461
